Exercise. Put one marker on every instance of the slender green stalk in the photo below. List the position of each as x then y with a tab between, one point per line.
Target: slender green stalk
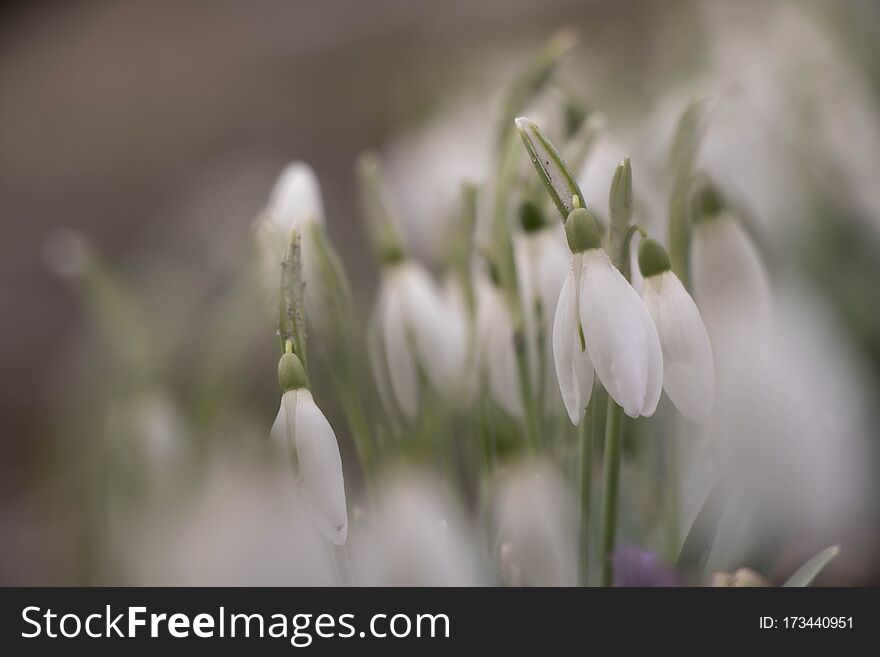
530	418
613	423
585	461
673	540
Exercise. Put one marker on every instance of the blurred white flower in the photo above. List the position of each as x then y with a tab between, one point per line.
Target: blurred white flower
411	321
416	536
542	259
536	522
688	368
294	203
791	426
458	342
495	348
239	526
425	168
728	278
301	426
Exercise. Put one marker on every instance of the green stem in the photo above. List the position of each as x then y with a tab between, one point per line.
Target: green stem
671	495
530	420
585	459
613	424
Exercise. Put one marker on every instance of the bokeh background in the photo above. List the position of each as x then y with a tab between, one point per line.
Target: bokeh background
157	130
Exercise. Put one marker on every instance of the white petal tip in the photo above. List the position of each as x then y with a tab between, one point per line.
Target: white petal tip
522	122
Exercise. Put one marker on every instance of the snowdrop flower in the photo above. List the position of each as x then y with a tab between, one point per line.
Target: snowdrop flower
300	428
728	277
294	204
536	520
688	369
233	525
615	332
416	536
410	322
541	265
495	349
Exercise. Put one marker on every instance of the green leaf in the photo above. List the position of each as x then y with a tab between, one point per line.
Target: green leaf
688	135
558	180
620	207
701	535
381	223
805	575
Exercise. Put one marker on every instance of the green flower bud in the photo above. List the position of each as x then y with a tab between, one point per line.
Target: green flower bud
653	258
291	373
582	231
530	217
706	202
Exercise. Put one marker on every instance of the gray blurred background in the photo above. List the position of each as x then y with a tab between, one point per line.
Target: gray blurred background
147	125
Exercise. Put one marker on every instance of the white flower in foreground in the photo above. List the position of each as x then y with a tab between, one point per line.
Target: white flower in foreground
619	335
574	371
410	320
688	369
495	349
294	204
728	278
541	264
415	535
536	522
301	426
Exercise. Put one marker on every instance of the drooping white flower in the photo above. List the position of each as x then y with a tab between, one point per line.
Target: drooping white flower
495	349
729	281
541	265
688	368
301	426
294	204
410	322
619	334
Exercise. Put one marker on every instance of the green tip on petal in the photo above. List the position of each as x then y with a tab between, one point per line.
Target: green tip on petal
582	231
291	373
707	201
531	218
653	258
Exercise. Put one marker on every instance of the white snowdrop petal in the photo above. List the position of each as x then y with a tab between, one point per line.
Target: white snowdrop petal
296	198
402	371
573	368
278	433
619	342
495	348
729	281
320	467
654	383
688	368
424	315
457	329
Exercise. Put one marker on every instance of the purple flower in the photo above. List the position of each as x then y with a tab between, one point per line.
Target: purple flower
634	566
